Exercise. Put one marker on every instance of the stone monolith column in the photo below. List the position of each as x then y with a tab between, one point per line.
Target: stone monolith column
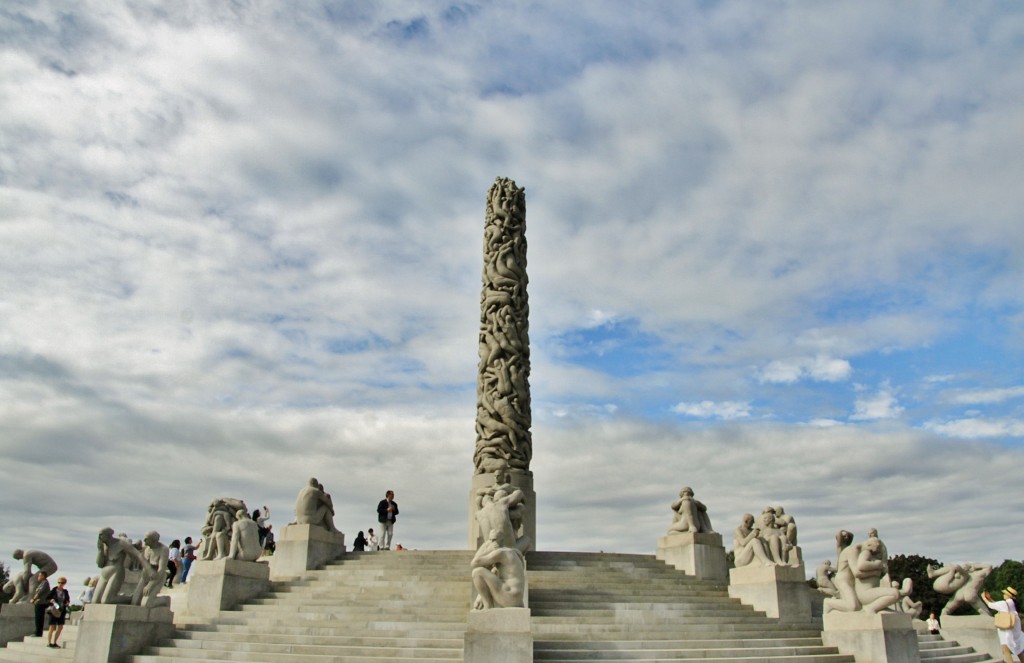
503	442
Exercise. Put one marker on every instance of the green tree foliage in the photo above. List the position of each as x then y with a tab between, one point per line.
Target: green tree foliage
915	567
1007	574
4	577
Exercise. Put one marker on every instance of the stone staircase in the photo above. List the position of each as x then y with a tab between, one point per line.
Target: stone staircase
34	650
412	606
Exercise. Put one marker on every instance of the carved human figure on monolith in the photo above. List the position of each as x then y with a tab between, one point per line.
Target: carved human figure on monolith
314	506
689	514
503	389
964	582
245	538
495	514
823	578
774	538
155	554
499	575
26	581
112	557
216	528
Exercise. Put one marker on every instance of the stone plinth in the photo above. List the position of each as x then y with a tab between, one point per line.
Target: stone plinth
17	621
972	631
884	637
779	591
521	480
698	554
115	632
500	635
301	548
224	583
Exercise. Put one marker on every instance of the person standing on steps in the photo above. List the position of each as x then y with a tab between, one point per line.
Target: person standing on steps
387	513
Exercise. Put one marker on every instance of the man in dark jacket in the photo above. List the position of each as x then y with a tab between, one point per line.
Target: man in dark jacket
387	512
41	601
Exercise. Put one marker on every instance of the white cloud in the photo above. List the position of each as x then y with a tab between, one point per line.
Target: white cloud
819	368
978	428
726	410
881	405
976	396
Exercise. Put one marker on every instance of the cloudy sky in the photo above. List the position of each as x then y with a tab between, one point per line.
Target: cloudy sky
775	253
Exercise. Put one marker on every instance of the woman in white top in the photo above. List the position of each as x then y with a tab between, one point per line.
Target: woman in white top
371	540
1012	639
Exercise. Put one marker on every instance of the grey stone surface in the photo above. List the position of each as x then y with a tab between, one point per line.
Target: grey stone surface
973	631
216	528
689	514
302	547
522	515
503	415
964	582
112	557
24	583
499	575
17	620
314	506
499	636
699	554
859	579
114	632
152	581
886	637
245	538
778	591
223	584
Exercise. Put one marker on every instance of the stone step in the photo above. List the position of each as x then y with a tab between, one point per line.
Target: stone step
690	653
34	650
262	651
339	639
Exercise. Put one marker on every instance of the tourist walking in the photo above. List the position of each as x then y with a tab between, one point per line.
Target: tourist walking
1011	639
371	540
359	545
173	561
60	599
387	513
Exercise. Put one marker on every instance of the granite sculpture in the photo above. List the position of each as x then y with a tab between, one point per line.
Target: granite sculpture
503	438
216	529
245	538
689	514
747	546
315	507
113	554
770	540
497	512
858	579
964	582
154	554
823	578
24	584
499	575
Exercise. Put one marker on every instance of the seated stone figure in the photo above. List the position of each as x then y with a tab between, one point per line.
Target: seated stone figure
112	557
823	577
747	546
787	524
499	575
155	556
216	528
858	581
245	538
314	506
964	583
689	514
774	539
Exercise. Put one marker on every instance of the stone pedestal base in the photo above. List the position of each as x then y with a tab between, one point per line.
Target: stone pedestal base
224	583
701	555
301	548
115	632
884	637
779	591
973	631
500	635
521	480
16	622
